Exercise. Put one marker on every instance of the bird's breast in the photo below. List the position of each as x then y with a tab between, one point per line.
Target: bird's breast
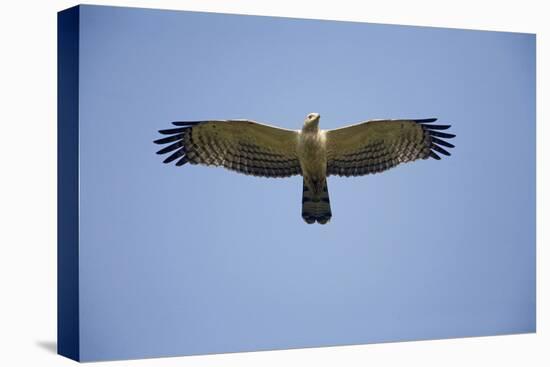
312	153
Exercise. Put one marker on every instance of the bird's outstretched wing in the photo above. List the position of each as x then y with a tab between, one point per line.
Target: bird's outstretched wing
378	145
240	145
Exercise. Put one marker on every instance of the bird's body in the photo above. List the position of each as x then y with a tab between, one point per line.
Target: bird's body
312	152
257	149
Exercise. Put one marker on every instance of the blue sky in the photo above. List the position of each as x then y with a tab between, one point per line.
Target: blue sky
197	259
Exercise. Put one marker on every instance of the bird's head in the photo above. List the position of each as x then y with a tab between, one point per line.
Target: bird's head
312	120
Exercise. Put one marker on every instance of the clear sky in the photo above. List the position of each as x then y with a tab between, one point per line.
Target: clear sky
198	259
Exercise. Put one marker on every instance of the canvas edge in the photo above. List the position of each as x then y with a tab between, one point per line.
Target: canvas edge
68	325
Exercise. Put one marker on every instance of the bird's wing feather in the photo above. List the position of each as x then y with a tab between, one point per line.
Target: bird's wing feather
240	145
377	145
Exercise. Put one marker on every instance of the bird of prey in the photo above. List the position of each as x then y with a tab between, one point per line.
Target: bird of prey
258	149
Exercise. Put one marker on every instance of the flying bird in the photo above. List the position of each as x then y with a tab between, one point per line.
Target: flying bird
258	149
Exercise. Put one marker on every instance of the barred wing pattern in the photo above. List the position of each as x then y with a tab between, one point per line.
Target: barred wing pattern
240	145
377	145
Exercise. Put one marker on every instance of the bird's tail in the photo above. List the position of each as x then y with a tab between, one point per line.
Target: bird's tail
316	208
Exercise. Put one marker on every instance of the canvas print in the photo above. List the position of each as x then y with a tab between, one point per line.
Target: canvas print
235	183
